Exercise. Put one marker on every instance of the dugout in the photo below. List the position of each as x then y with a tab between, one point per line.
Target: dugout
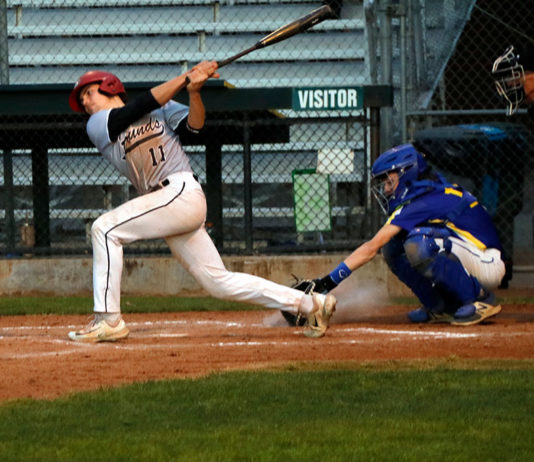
37	118
484	159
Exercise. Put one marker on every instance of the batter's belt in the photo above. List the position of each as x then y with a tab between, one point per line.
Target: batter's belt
167	182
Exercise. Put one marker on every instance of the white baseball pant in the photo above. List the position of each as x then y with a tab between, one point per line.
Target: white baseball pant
486	265
177	213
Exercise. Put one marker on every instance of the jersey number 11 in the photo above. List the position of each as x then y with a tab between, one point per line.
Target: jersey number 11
153	154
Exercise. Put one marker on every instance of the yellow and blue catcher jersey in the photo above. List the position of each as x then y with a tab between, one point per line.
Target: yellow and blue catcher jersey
453	208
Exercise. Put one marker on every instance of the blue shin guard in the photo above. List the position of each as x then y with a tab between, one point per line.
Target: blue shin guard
421	286
443	269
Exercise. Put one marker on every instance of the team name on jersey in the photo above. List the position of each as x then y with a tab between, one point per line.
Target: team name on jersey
138	135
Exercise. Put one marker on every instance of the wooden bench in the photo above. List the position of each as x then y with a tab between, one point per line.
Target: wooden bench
228	212
270	165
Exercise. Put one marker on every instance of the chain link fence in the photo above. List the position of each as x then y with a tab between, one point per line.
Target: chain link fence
462	126
436	54
438	57
53	213
55	184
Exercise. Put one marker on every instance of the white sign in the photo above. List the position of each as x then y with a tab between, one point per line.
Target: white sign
327	98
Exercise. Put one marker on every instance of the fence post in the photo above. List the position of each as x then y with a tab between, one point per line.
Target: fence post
4	57
401	12
10	202
386	59
41	194
214	191
247	185
375	149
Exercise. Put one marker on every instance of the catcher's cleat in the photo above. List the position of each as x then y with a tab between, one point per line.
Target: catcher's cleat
318	320
99	330
482	311
421	315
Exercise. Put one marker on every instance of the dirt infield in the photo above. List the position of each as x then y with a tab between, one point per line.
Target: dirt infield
38	361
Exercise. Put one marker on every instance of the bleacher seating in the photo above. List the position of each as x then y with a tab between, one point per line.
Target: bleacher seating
53	40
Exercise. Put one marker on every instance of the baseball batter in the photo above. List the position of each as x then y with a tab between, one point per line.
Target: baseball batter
143	139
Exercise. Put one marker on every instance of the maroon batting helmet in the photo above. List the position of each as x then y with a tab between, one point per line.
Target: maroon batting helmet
109	85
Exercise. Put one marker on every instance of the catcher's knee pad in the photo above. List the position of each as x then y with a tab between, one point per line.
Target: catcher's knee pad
421	250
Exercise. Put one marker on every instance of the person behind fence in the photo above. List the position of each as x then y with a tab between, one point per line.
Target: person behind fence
513	74
438	240
143	138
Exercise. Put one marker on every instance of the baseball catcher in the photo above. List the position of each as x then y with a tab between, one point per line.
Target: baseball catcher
438	240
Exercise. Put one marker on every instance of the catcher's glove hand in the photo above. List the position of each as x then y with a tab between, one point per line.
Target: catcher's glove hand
307	286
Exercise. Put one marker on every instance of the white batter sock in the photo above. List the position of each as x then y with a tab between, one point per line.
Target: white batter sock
111	318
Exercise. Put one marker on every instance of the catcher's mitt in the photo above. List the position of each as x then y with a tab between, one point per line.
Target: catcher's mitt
307	286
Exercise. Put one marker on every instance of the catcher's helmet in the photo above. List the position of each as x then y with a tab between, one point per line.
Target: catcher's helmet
109	85
508	75
409	164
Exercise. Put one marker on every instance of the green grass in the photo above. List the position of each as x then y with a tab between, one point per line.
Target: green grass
446	410
19	305
83	305
412	413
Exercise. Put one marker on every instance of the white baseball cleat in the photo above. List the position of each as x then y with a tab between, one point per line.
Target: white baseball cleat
318	320
99	330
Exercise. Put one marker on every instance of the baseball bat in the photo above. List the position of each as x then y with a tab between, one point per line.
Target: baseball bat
295	27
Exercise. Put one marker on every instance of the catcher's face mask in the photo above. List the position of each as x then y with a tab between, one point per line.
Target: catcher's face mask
509	76
383	188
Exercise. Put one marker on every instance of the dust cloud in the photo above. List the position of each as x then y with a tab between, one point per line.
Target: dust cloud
354	304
